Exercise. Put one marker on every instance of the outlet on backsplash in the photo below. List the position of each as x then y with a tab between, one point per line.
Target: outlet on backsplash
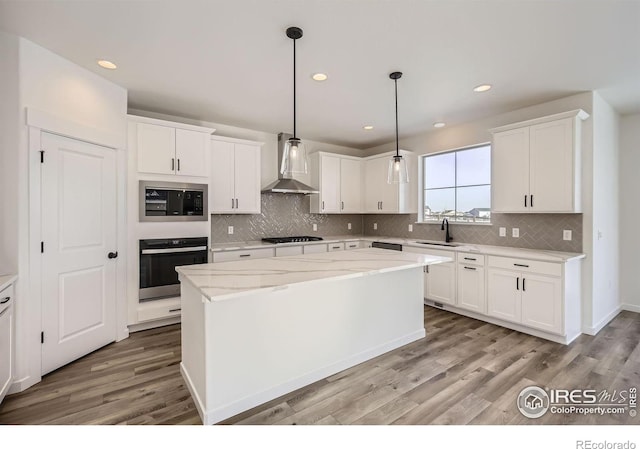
230	230
515	232
349	226
375	226
410	228
502	232
315	227
566	234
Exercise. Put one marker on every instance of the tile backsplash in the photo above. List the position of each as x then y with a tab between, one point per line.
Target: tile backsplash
287	215
537	231
282	215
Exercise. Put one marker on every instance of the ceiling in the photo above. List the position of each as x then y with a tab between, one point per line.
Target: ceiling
230	61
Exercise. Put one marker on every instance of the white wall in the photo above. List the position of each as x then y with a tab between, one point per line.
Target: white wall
629	211
9	143
269	156
51	84
605	235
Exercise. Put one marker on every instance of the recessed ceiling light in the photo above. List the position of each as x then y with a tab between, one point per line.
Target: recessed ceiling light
439	124
107	64
319	76
367	127
482	88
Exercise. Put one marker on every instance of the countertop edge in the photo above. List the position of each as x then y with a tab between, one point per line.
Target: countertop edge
6	280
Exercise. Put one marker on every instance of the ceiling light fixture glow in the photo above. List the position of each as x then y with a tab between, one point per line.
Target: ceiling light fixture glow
107	64
482	88
367	127
439	124
320	76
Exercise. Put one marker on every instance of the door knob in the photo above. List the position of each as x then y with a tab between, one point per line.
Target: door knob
113	255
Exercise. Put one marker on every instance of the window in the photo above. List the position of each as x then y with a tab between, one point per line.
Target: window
457	186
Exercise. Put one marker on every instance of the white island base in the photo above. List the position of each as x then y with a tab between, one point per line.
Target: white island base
243	351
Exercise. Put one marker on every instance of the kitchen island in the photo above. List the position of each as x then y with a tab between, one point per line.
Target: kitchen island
254	330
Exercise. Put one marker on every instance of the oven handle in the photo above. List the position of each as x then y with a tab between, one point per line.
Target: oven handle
187	249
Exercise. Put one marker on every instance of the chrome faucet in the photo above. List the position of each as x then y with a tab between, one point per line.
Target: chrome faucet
447	236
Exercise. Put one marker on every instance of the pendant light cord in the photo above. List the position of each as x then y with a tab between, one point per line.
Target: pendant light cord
294	88
397	141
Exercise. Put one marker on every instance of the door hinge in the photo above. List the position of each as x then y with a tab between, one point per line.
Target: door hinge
42	156
42	247
41	337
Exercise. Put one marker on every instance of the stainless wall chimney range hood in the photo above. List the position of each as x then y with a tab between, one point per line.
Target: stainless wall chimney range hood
284	184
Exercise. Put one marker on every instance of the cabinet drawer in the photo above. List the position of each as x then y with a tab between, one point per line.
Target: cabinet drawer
226	256
335	246
352	245
526	266
471	258
288	251
313	249
429	251
157	310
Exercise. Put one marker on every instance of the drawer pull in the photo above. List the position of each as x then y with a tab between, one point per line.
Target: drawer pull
520	265
174	310
335	247
5	300
470	268
469	258
245	255
353	246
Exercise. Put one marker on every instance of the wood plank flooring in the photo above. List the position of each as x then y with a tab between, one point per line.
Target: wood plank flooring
464	372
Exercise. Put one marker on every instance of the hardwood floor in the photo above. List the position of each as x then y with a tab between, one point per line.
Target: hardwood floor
464	372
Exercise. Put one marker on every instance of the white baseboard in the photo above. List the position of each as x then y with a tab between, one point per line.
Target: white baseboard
20	385
593	330
631	308
151	324
192	390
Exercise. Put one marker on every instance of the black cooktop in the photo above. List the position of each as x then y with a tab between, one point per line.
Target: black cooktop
300	238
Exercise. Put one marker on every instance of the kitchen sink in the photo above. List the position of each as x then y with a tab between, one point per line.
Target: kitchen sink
438	243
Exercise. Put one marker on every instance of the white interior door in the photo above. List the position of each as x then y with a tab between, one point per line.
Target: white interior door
78	233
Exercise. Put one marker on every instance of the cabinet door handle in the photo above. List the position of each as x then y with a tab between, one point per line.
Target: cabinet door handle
175	310
523	289
323	205
173	164
469	258
236	203
525	201
381	205
178	164
520	265
531	202
5	300
517	283
245	255
427	269
470	268
342	205
232	203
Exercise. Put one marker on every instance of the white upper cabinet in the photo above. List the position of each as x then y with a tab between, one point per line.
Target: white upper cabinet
536	165
381	197
339	182
234	182
169	148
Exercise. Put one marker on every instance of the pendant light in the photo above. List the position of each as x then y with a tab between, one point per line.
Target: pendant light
398	172
294	157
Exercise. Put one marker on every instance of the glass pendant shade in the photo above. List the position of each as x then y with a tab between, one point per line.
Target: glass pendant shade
294	158
398	172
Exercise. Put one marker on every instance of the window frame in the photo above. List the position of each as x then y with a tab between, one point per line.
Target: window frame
421	186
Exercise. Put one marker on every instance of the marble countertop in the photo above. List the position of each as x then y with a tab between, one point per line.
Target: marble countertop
6	280
505	251
226	280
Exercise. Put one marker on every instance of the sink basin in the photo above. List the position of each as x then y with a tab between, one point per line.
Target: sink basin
438	243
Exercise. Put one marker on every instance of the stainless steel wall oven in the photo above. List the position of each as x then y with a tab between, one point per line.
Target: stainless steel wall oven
158	260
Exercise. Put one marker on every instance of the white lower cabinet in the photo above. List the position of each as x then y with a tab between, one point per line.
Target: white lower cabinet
6	340
336	246
353	245
313	249
525	296
260	253
439	279
471	292
288	251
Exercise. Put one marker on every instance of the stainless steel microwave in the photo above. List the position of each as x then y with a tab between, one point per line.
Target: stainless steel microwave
172	201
